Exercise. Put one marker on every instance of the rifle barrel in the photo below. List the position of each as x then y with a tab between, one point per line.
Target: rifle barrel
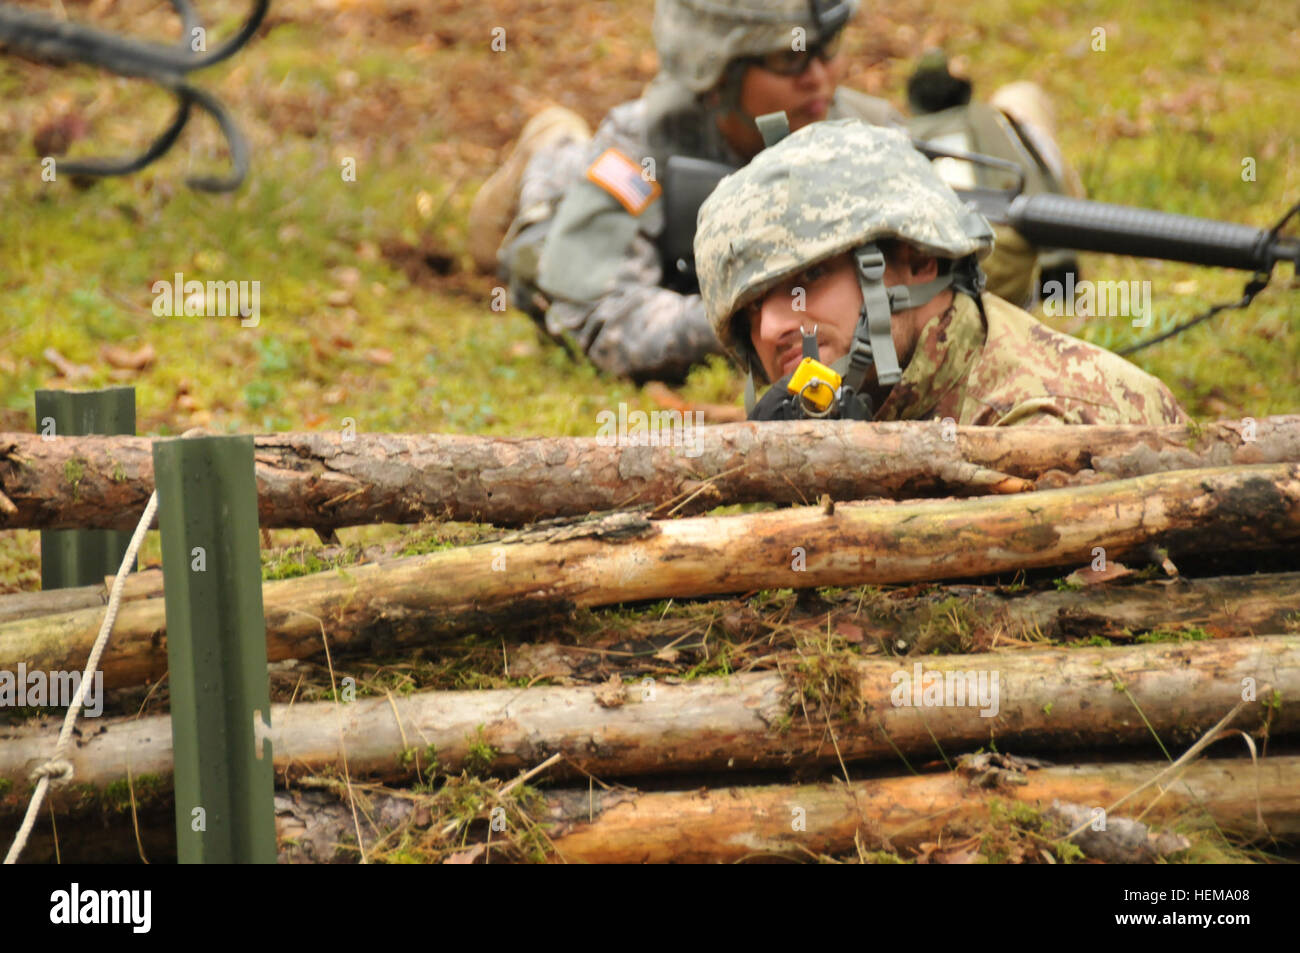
1057	221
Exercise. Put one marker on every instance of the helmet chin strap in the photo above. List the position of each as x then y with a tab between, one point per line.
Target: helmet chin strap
873	338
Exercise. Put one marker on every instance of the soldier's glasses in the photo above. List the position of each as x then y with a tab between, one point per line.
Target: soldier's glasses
796	62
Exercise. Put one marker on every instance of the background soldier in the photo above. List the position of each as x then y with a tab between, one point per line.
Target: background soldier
584	252
844	231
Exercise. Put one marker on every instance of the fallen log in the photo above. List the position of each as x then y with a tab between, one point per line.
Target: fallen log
624	558
146	584
325	480
1039	700
1222	606
313	827
799	822
923	815
732	824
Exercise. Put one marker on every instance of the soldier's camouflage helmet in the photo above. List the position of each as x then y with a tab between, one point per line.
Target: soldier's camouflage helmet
824	190
696	39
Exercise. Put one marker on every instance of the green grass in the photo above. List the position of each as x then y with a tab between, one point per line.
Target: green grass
1162	118
1192	634
1204	95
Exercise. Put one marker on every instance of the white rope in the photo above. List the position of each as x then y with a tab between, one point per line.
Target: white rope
57	766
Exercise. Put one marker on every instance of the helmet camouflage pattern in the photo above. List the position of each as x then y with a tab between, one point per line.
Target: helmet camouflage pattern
696	39
824	190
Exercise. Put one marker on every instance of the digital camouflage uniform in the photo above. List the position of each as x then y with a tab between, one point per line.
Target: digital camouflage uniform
601	266
596	261
836	187
598	264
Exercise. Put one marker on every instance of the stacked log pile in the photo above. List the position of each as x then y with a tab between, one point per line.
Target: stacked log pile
584	525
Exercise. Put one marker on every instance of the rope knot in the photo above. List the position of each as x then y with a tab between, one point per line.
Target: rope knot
56	769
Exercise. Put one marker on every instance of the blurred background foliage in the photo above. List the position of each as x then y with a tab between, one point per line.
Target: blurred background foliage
369	307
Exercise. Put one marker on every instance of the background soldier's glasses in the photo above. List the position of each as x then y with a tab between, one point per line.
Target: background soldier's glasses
796	62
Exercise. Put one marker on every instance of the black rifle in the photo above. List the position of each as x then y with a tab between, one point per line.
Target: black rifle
1048	221
35	36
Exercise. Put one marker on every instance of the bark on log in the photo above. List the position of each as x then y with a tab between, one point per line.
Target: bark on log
740	823
1223	606
624	558
726	825
146	584
1046	700
319	480
749	823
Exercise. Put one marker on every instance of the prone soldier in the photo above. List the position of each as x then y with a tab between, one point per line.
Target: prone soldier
839	265
587	250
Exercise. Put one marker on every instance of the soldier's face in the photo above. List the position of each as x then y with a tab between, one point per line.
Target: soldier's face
828	296
805	98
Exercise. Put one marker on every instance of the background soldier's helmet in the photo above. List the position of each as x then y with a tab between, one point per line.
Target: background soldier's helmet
824	190
696	39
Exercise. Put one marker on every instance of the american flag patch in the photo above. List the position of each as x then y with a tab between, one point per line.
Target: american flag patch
621	177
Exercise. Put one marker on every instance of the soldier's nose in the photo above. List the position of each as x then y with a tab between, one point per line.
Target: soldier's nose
817	73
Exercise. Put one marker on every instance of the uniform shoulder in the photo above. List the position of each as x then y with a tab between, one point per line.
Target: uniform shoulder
1026	362
592	234
1012	326
626	128
852	104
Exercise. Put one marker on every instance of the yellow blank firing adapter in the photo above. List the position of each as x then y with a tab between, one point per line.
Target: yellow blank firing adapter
815	385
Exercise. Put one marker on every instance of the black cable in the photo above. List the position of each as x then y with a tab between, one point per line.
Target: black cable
1258	282
32	34
103	167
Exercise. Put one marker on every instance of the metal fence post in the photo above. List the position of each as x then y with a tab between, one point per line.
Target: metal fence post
81	557
216	649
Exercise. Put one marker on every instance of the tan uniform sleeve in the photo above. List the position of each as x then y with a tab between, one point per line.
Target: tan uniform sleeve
602	271
638	329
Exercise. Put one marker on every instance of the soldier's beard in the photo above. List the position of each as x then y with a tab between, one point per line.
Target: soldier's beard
912	326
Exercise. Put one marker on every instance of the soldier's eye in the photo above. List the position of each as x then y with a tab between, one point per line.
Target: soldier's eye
795	62
786	62
812	275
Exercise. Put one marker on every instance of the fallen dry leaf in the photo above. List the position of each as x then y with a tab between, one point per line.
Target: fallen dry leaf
126	359
379	355
1087	576
850	632
669	399
967	852
349	276
65	367
467	856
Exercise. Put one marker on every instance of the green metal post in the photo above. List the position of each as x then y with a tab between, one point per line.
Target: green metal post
216	650
82	557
